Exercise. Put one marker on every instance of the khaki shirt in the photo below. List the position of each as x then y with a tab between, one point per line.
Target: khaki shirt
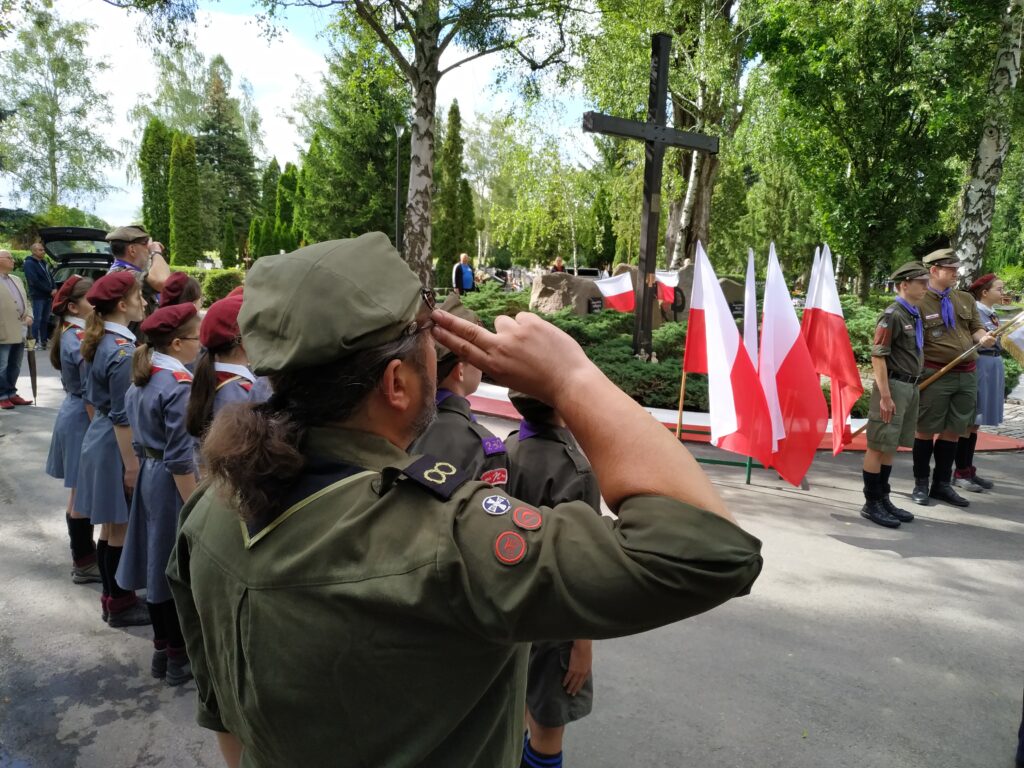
896	341
455	437
384	623
941	344
549	468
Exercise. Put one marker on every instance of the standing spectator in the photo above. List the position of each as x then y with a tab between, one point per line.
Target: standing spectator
559	265
462	275
41	290
15	319
136	252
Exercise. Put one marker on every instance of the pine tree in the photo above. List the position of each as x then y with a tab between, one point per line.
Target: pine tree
154	163
228	246
448	226
183	187
253	240
268	187
284	209
466	219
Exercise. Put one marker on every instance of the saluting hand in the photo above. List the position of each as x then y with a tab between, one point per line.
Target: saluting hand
887	406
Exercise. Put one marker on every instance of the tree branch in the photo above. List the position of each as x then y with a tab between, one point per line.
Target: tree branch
364	12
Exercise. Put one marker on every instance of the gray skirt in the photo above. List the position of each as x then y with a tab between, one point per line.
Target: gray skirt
151	532
66	444
100	495
991	390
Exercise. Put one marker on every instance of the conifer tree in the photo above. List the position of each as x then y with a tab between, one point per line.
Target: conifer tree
228	246
154	163
183	190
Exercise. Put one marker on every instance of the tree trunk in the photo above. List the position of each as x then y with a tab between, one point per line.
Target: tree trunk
416	236
681	245
701	217
978	200
682	120
867	265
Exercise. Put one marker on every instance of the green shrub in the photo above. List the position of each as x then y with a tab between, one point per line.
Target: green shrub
1013	372
218	283
860	408
860	323
594	329
491	301
669	340
1013	276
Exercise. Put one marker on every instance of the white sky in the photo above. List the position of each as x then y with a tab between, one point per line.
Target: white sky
274	67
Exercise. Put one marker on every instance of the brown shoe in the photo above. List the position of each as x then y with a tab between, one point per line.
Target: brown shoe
19	400
7	405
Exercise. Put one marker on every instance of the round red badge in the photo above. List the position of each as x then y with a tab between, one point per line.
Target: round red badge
527	519
509	547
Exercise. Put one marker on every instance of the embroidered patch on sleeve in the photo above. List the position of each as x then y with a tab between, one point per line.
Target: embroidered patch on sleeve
495	476
509	547
527	519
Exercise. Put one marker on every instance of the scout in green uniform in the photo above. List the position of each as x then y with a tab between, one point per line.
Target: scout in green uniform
455	434
548	469
897	360
951	327
345	603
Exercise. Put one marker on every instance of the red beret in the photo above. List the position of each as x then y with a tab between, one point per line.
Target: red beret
982	282
236	291
111	287
174	286
168	319
60	302
220	326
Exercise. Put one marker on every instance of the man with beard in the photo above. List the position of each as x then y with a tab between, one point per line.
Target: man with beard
345	603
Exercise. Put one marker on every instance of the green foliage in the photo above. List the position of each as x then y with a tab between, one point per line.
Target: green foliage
183	188
154	162
218	283
860	408
1013	373
229	245
54	142
491	301
1013	276
860	323
454	224
268	187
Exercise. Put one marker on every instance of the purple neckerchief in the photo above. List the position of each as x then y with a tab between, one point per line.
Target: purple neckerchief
948	313
443	394
917	319
118	263
528	429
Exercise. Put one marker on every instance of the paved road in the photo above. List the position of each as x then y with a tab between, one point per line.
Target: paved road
859	647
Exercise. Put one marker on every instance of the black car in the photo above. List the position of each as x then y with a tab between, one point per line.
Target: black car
76	251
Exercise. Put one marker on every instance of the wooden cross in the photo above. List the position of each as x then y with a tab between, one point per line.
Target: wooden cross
656	137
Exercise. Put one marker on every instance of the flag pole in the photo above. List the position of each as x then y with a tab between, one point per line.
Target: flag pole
951	365
682	395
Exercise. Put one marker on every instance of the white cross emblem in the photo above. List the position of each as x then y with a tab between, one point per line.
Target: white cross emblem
496	505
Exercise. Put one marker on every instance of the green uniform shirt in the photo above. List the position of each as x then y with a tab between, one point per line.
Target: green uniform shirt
384	623
941	344
549	468
456	438
896	341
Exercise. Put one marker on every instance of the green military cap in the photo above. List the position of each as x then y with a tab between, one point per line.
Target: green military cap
453	305
912	270
944	257
531	408
127	234
326	301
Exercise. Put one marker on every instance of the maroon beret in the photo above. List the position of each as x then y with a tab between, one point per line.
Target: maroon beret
982	282
174	286
111	287
220	326
59	305
168	319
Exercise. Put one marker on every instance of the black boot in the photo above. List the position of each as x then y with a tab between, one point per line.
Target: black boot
876	512
920	492
943	491
884	490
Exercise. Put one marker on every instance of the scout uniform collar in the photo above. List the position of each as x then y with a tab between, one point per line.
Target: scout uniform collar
168	363
449	401
531	429
237	370
119	329
75	321
350	446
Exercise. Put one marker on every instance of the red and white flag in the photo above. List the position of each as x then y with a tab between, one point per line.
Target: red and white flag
740	421
750	310
828	342
618	292
667	282
791	386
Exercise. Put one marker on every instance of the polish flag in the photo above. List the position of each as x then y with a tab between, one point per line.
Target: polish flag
828	341
750	310
740	421
667	282
795	401
618	292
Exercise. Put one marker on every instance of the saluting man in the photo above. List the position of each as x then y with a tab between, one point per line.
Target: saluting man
897	361
952	326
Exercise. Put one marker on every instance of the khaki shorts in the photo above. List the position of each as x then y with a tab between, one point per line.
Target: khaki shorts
546	699
900	430
949	404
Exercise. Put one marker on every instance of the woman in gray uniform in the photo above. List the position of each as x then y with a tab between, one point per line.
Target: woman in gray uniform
109	466
71	308
988	292
157	402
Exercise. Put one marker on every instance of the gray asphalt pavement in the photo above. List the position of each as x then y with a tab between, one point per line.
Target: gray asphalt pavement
859	646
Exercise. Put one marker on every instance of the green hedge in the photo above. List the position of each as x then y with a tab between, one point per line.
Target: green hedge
216	283
1013	372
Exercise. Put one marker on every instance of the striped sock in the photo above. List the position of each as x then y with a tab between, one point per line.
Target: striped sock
534	759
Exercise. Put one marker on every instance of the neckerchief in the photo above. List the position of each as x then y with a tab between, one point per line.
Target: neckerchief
118	263
528	429
168	363
917	320
948	313
237	370
119	329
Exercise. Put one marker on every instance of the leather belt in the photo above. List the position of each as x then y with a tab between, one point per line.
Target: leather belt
904	377
153	453
989	352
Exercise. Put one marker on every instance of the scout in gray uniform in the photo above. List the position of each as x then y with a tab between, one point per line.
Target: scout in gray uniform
70	308
109	466
988	292
455	434
896	360
948	406
548	469
157	401
345	603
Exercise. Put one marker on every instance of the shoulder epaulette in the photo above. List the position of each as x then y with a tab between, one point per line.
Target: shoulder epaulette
79	335
120	341
441	478
246	385
224	382
182	376
890	309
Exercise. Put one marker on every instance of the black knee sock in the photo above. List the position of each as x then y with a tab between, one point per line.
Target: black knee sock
922	457
963	453
175	639
113	558
945	452
101	561
972	444
872	486
83	551
156	616
884	473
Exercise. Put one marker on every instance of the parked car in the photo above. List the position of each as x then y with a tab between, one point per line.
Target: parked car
76	251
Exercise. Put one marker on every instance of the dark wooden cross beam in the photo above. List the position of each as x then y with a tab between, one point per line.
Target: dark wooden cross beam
656	137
